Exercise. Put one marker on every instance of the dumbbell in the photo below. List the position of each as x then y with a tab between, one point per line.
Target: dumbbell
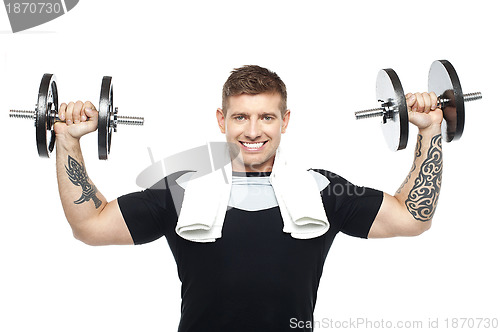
46	115
443	81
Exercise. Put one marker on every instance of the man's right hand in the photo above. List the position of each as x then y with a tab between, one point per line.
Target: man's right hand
80	119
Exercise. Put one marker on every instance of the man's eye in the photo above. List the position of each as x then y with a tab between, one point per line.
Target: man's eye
240	117
269	118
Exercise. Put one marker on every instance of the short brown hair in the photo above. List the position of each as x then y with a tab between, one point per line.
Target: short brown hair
252	79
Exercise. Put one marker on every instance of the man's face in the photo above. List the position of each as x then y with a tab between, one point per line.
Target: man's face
254	124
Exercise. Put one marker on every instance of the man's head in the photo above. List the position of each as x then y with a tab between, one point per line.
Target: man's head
253	117
253	80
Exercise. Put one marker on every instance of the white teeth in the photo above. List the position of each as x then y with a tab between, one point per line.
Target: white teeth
253	145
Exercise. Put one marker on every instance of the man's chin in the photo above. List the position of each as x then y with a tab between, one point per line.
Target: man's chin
259	164
251	165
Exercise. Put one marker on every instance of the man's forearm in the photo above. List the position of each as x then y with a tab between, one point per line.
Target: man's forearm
420	191
79	196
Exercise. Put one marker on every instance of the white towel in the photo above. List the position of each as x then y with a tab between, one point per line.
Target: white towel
205	202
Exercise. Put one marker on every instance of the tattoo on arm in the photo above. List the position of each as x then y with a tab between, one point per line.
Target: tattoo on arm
423	197
78	176
418	153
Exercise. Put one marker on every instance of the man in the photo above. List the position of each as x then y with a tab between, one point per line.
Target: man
254	276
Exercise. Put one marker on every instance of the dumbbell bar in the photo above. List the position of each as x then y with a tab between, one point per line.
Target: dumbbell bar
46	115
443	81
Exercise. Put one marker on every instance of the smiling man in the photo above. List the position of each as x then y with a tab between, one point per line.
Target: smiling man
262	270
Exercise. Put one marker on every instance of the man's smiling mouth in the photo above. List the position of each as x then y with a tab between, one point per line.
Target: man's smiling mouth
253	146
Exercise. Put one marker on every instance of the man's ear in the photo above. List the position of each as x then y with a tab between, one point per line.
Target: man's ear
221	120
286	119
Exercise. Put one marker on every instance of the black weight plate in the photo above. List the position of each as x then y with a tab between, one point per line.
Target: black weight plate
104	128
444	82
47	105
390	91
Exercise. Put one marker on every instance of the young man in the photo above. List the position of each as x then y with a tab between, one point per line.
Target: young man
255	275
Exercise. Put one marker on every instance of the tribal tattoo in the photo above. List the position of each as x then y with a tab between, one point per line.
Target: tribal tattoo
423	197
418	153
78	176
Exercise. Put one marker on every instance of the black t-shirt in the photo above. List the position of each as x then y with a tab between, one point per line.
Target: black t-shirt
255	277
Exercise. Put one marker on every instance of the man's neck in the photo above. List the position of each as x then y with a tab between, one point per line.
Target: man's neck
251	174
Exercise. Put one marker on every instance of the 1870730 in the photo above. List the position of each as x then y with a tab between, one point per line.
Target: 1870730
34	8
472	323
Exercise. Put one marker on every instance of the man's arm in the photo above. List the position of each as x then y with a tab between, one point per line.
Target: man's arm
93	219
409	212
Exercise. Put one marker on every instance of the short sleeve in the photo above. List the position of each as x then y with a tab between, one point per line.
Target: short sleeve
352	209
359	212
147	212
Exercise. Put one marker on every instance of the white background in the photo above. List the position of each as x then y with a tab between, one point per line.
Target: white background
169	60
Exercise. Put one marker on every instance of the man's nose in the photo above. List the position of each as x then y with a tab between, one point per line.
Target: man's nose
253	130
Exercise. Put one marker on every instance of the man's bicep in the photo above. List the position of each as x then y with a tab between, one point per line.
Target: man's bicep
393	219
108	228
